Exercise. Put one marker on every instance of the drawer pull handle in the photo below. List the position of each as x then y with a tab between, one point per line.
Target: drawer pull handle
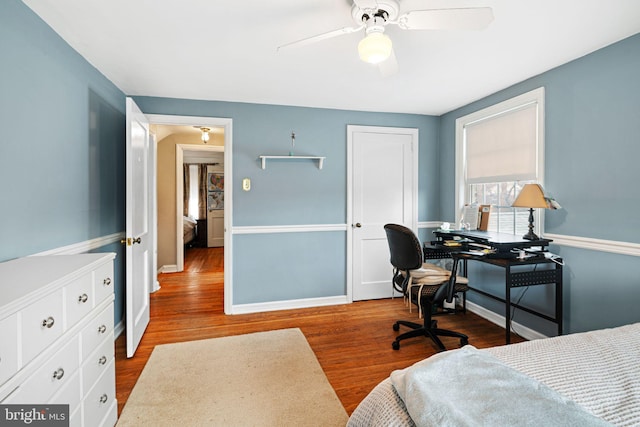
57	375
83	298
104	398
102	360
102	329
107	281
48	322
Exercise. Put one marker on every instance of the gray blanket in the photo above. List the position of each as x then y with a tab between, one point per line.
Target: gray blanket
467	387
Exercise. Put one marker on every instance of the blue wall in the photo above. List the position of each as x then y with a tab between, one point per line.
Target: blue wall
592	147
62	129
289	266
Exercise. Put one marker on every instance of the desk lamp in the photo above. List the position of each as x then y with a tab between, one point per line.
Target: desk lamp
532	196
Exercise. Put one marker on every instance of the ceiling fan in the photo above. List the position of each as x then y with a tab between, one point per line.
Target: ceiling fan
374	15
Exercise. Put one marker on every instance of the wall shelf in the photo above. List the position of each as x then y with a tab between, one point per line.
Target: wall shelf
264	159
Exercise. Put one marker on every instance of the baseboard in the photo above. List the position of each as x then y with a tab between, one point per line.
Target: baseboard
523	331
287	305
168	269
118	330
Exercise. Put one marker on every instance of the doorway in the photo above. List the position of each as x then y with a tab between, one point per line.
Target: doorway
225	124
214	228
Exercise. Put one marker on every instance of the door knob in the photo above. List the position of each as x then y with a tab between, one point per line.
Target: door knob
358	225
130	241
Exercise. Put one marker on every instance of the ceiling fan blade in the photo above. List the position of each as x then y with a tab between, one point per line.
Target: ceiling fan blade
389	66
320	37
472	18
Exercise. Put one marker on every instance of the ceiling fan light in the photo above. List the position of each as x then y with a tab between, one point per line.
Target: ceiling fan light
375	47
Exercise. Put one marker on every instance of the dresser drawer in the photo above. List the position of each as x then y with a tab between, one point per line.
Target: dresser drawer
54	373
79	299
70	394
41	325
75	419
96	331
8	348
96	364
103	282
100	400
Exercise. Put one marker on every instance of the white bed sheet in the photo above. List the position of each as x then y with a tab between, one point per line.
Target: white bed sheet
188	229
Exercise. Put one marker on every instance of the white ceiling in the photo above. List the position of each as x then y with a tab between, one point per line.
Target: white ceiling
162	131
226	50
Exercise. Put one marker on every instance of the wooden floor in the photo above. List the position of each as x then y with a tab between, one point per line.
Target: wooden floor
352	342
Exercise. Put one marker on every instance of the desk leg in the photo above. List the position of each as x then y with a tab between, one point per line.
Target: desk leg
507	304
559	295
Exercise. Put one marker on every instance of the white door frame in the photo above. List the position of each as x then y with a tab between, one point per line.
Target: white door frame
350	220
227	124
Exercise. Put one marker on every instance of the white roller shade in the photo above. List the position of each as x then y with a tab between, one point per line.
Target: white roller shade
503	147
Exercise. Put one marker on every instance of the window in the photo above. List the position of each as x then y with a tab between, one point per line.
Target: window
498	150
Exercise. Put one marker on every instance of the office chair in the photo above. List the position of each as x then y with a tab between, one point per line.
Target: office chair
424	290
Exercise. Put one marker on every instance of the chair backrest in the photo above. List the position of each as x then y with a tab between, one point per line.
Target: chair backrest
406	253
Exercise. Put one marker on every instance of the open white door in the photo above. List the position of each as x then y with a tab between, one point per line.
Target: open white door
384	170
139	240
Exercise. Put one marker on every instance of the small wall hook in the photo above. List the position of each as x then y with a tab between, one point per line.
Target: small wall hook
293	143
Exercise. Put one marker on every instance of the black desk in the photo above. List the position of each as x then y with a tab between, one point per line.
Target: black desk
501	243
501	250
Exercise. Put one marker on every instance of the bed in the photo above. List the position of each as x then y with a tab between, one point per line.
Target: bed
594	378
188	229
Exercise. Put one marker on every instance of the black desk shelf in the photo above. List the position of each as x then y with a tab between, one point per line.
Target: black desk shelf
536	277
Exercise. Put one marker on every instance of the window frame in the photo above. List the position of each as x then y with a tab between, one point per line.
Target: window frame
461	186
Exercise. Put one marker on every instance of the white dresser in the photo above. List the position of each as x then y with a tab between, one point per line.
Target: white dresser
56	335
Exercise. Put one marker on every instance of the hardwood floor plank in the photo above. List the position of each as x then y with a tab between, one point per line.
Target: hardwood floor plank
352	342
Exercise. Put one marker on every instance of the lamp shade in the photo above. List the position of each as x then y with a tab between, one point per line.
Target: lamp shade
531	196
375	47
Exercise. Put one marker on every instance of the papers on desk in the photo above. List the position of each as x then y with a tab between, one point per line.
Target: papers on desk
470	217
481	252
481	248
476	217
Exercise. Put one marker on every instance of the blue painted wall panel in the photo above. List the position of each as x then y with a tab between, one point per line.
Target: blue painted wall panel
289	266
591	148
62	131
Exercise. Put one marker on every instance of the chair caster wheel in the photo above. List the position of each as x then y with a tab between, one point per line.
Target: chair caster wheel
395	345
396	327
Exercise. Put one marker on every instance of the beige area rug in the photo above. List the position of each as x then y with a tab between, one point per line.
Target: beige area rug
262	379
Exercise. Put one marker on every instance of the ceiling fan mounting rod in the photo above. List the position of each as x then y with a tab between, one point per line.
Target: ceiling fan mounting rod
384	11
379	14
